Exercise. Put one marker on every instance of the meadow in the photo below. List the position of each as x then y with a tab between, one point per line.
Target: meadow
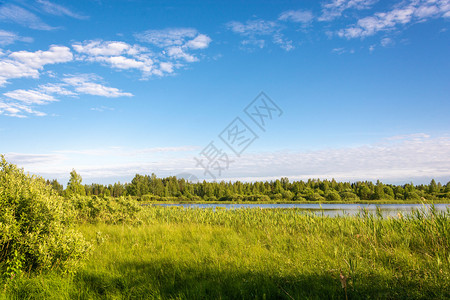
174	253
90	247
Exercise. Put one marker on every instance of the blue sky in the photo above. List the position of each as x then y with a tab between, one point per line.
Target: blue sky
115	88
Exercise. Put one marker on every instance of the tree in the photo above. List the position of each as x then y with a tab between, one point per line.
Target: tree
332	196
74	186
56	186
433	188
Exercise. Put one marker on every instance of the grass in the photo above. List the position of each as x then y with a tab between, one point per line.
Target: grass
179	253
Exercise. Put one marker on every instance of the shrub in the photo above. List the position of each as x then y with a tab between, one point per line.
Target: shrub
35	231
332	196
349	196
108	210
315	197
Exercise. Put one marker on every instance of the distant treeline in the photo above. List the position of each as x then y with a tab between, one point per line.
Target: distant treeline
152	188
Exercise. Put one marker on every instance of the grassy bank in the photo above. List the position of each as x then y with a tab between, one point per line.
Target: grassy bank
173	253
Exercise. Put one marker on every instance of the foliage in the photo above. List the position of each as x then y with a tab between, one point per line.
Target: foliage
35	231
151	188
106	209
74	187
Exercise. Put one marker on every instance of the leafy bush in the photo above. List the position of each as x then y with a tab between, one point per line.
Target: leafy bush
108	210
349	196
315	197
35	231
332	196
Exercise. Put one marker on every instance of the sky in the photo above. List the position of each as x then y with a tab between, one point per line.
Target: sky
227	90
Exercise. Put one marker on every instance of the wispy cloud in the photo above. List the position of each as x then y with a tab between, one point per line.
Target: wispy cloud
176	43
30	97
335	8
167	37
13	109
174	48
30	159
8	38
58	10
253	28
256	31
409	157
102	108
116	54
342	50
85	84
16	14
403	14
297	16
56	88
19	103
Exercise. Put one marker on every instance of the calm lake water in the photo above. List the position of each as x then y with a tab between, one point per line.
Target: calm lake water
326	208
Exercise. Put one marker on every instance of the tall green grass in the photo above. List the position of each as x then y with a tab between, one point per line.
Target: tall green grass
180	253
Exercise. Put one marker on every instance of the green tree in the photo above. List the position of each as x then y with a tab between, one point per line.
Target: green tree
74	186
332	196
433	188
56	186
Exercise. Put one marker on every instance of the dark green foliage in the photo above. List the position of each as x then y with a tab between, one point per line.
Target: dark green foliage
151	188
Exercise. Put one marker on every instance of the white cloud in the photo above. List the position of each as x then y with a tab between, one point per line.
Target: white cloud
37	59
116	54
16	14
399	159
385	42
7	38
415	11
105	48
20	102
405	158
84	84
122	62
335	8
178	53
102	108
253	43
167	37
176	44
124	152
58	10
30	97
298	16
17	110
166	67
200	42
253	27
27	64
285	44
255	32
29	159
56	88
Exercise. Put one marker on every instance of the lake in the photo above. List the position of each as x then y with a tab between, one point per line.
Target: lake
326	209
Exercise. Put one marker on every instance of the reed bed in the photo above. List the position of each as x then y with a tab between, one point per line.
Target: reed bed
177	253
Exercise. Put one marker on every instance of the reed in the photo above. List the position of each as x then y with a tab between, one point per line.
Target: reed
176	253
